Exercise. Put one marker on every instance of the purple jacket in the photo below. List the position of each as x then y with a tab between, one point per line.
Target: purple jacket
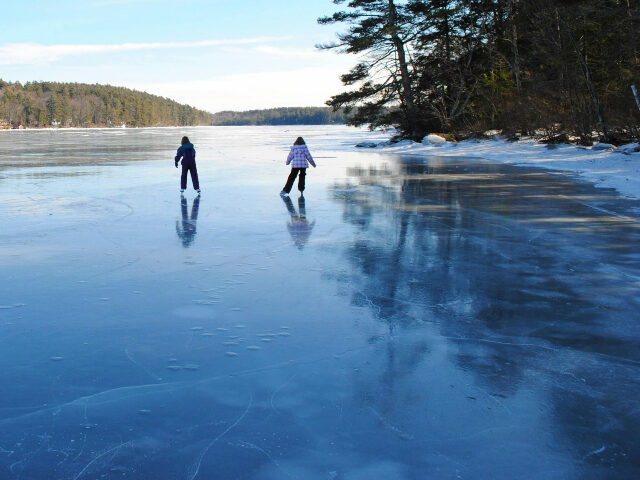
299	155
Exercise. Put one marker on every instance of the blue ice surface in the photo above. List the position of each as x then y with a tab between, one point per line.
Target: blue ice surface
411	318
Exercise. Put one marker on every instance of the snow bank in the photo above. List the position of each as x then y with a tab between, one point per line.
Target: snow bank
433	139
606	166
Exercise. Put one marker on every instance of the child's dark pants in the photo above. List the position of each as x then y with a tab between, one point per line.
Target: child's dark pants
292	178
189	167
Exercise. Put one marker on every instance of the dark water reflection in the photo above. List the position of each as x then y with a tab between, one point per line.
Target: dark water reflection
186	228
299	227
524	271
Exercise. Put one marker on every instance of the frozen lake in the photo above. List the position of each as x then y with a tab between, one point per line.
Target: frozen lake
427	318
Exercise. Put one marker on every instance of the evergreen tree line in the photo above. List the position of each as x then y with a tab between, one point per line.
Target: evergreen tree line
281	116
46	104
558	68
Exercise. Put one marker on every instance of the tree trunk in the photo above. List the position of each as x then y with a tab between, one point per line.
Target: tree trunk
635	95
514	42
587	78
407	90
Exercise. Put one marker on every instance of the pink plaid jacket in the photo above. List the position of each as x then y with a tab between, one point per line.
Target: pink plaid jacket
298	157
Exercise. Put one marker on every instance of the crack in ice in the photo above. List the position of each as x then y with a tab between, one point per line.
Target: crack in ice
212	442
116	448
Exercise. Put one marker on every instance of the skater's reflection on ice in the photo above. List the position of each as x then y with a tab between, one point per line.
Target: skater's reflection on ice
299	227
186	229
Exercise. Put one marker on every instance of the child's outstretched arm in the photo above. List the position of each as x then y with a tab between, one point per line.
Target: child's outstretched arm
310	158
290	157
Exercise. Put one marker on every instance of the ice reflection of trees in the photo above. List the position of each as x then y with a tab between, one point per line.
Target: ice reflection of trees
472	242
504	261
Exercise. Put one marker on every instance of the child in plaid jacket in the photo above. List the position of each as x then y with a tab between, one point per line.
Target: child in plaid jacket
299	158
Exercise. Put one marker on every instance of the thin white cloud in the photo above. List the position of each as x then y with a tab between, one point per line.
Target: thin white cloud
287	52
36	53
277	52
109	3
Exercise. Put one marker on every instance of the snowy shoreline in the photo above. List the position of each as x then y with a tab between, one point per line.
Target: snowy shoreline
605	168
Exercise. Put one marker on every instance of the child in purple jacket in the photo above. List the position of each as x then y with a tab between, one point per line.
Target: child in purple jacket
299	157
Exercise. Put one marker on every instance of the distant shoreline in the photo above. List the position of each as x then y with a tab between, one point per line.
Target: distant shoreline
297	125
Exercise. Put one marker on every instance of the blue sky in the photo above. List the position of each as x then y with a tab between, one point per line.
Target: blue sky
213	54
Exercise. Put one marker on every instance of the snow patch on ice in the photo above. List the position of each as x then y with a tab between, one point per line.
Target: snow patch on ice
603	146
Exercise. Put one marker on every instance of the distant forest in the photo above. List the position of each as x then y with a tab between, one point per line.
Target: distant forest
281	116
47	104
52	104
556	68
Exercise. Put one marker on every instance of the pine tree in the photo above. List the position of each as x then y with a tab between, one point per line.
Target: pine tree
379	30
